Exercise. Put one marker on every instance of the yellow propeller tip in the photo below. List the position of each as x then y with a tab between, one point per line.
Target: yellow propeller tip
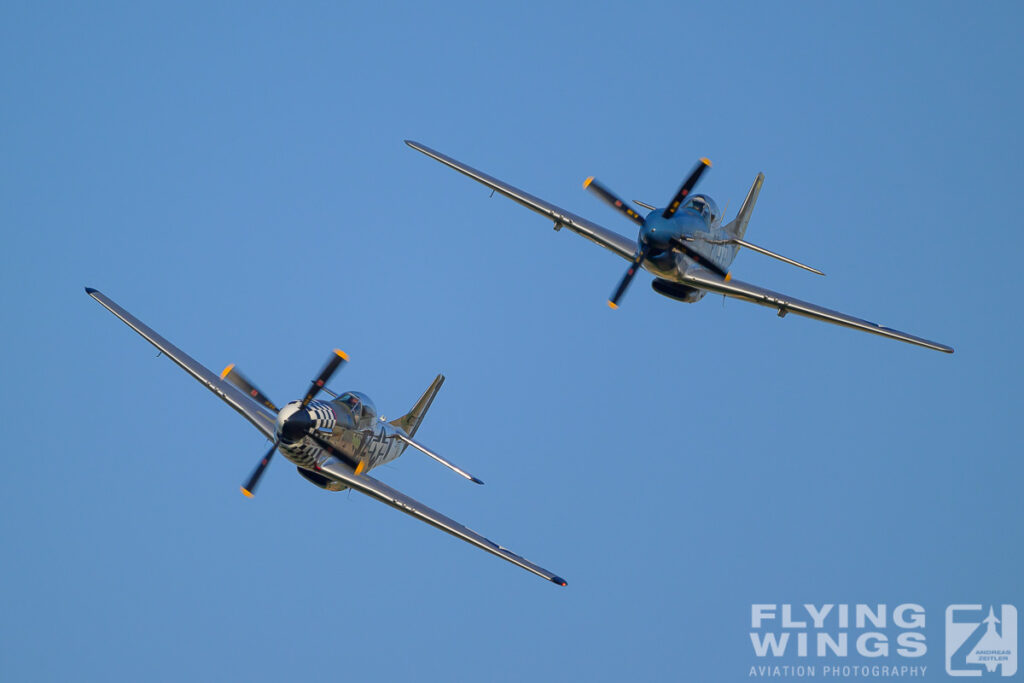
612	305
245	492
361	467
728	276
705	161
227	371
341	353
586	183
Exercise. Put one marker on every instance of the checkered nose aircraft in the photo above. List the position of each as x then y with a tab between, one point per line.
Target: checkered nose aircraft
685	245
333	444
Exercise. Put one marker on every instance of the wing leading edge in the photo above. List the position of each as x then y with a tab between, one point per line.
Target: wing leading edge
264	422
610	240
389	496
255	414
626	248
785	304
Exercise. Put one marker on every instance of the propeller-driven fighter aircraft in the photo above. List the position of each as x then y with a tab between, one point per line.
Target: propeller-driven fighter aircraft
333	444
685	246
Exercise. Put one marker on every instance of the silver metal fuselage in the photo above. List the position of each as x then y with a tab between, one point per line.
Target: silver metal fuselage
358	435
699	233
678	276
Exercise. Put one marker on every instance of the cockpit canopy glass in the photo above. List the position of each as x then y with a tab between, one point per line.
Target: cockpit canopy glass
359	405
703	205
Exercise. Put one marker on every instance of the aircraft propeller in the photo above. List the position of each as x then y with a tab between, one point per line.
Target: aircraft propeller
250	486
357	466
297	424
641	254
642	247
686	187
333	364
701	259
243	383
610	197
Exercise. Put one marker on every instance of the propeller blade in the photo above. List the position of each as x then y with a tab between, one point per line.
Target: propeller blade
609	197
641	254
250	486
333	364
686	188
242	382
701	259
357	465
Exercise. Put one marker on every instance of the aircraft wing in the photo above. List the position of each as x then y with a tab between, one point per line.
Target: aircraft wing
251	411
389	496
613	241
263	421
736	289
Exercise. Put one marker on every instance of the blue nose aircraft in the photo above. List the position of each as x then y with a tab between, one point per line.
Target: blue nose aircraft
665	232
685	245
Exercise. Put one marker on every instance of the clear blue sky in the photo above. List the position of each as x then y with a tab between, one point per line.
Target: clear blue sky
234	174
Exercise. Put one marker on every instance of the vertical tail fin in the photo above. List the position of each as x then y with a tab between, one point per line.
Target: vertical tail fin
410	422
738	226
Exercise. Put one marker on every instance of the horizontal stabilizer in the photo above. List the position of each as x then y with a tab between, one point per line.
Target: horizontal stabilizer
766	252
435	456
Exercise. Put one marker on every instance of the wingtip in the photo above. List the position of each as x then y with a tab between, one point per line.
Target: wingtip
90	291
559	580
476	481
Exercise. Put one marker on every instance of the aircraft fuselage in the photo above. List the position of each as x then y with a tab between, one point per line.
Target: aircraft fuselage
698	232
357	434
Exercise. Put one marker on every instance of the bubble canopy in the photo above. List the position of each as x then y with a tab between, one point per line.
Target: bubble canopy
359	404
704	205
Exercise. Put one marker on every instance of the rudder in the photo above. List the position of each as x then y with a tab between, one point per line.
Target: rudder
410	422
738	226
